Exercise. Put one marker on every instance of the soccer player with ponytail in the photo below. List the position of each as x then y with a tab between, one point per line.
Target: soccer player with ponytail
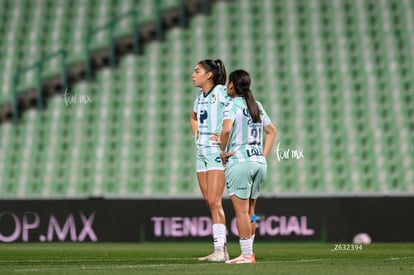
244	157
206	121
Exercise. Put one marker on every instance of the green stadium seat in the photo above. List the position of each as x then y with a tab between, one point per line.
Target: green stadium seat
334	76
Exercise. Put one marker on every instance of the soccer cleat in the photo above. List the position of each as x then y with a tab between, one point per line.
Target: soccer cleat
226	253
217	256
243	259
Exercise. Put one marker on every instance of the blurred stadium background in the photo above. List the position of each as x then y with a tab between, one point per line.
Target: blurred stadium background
95	100
335	76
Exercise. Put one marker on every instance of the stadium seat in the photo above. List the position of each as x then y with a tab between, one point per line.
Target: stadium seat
334	76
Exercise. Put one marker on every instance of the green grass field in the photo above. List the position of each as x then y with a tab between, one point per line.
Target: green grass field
180	258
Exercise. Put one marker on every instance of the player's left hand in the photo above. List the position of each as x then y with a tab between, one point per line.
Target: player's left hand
215	139
225	157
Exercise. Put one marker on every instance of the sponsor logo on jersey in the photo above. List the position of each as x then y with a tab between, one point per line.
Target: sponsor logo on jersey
203	116
254	152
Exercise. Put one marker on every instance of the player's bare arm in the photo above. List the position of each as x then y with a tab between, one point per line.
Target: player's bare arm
194	124
271	133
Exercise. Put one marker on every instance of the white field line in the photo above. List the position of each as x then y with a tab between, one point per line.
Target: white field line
399	258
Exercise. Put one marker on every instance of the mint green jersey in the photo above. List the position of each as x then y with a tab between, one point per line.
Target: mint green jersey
209	109
246	137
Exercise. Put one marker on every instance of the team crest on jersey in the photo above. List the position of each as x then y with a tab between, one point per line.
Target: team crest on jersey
213	99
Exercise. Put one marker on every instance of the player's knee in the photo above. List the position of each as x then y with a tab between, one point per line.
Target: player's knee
214	204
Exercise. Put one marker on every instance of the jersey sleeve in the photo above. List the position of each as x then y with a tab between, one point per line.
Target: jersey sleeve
229	112
222	95
265	117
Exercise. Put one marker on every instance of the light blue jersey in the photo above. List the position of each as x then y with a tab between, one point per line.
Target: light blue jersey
209	109
246	137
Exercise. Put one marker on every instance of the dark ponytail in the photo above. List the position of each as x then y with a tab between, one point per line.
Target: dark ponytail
241	81
217	68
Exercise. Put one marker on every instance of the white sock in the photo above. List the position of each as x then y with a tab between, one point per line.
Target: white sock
252	241
246	246
219	236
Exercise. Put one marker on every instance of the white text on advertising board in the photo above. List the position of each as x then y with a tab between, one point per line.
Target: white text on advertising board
201	226
64	231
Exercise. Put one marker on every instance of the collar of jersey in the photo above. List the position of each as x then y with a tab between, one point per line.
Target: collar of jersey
207	94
